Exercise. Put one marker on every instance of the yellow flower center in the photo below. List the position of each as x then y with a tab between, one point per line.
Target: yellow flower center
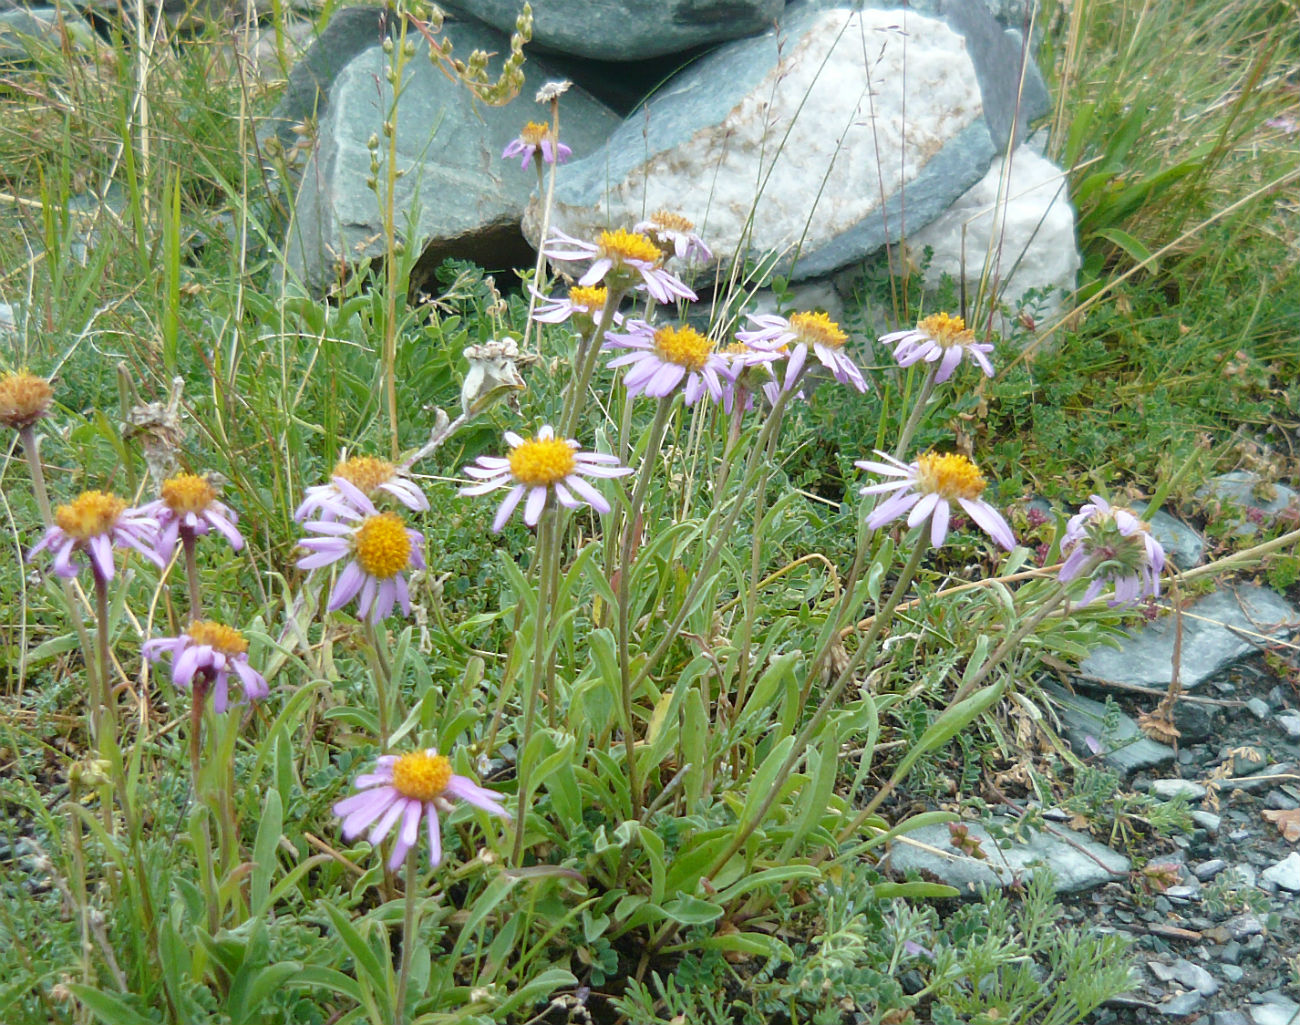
588	300
24	399
684	346
421	776
382	545
542	462
365	473
950	475
188	493
92	513
224	639
621	246
737	349
534	132
947	331
817	329
666	220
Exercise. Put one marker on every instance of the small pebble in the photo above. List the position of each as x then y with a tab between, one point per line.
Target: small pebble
1285	874
1171	788
1289	721
1232	972
1280	801
1209	869
1229	1018
1258	707
1241	926
1207	820
1182	1005
1195	977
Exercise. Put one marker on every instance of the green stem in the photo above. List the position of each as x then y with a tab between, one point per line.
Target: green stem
382	673
588	354
198	698
914	418
829	699
410	921
106	715
546	554
188	545
630	531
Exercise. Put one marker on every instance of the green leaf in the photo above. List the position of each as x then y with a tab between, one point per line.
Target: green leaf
689	910
1130	245
370	972
756	943
264	846
109	1009
914	891
760	787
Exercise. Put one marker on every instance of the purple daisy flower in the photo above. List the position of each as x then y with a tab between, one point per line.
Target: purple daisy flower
661	358
533	139
189	506
539	467
1131	558
675	236
582	305
381	547
939	338
798	333
94	522
207	652
622	260
407	787
925	490
369	476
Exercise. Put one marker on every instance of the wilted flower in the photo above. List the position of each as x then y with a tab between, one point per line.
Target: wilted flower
750	371
407	787
797	334
662	357
24	399
622	260
675	236
210	651
372	477
942	338
536	138
189	505
381	547
538	467
927	488
1131	558
492	375
94	522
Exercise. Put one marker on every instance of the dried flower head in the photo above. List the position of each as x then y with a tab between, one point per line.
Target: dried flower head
24	399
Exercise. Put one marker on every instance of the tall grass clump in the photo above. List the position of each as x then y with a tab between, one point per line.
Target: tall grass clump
569	654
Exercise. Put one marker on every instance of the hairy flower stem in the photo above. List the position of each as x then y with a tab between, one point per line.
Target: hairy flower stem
546	556
409	923
539	270
654	442
104	716
188	545
27	435
208	858
829	701
918	412
388	215
382	673
721	535
588	353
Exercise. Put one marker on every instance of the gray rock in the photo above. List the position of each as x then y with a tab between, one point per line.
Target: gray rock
622	30
1258	707
26	32
1184	546
1242	488
1207	870
1129	750
1195	977
1241	926
1182	1005
1171	788
449	147
1278	801
1284	1012
797	118
1285	874
1076	862
1015	227
1233	973
1261	780
1290	722
1210	639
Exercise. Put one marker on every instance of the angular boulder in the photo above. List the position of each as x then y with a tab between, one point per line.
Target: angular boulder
817	143
465	199
621	30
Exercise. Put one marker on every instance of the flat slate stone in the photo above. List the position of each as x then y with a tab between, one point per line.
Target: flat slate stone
1076	861
1238	488
1128	750
621	30
787	144
1209	643
448	145
1182	545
